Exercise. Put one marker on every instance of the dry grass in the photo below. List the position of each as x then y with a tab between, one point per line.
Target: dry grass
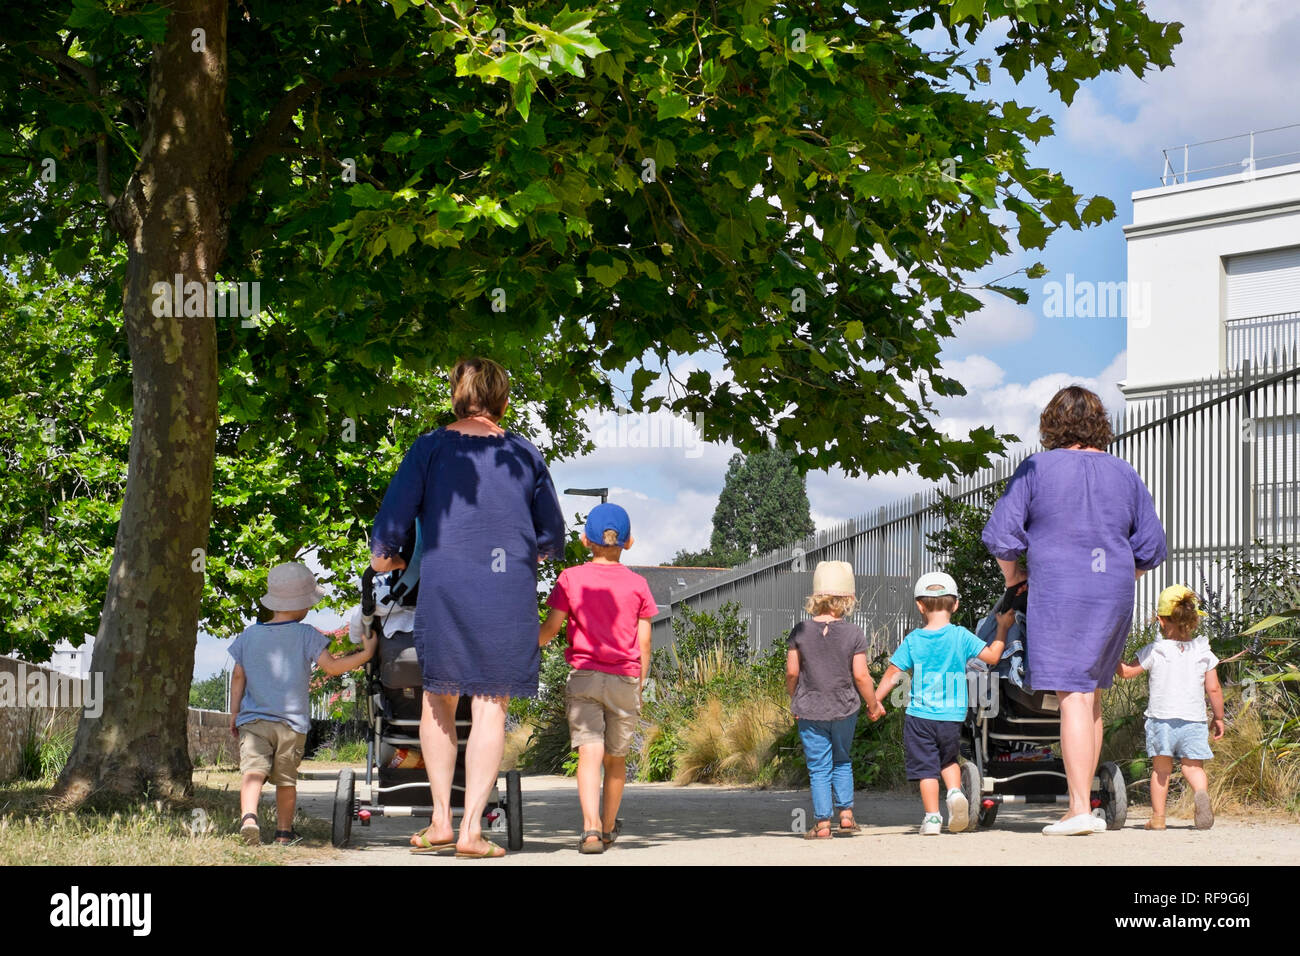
203	831
723	744
516	743
1245	774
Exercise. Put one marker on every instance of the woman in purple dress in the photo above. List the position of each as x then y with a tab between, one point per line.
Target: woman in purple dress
488	513
1087	527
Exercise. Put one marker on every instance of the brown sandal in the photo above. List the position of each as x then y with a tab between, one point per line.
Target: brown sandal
816	832
852	826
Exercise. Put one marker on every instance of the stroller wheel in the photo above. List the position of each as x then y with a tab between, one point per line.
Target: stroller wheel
514	811
343	794
970	788
1114	795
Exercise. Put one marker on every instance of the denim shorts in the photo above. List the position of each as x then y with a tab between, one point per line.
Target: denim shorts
1185	739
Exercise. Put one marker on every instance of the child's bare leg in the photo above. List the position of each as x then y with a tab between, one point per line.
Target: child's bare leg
250	792
615	777
438	743
951	779
590	759
286	801
1194	774
1161	767
930	795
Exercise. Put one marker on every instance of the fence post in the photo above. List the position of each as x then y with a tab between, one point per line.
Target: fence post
916	537
1247	438
1171	512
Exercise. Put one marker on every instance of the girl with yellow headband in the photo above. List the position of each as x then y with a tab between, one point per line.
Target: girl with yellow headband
1182	669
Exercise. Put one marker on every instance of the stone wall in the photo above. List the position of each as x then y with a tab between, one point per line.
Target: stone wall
36	703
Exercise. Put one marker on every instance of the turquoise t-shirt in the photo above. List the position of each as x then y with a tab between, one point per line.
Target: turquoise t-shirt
937	661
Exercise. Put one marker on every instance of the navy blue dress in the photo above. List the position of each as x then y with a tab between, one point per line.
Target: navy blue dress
487	510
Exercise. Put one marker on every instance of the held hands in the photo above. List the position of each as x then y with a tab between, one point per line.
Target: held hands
876	712
1005	620
369	643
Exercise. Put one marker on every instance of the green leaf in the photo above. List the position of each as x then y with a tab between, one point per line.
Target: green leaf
608	275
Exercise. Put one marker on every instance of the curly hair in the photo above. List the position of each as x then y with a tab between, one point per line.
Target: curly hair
1185	618
1075	416
839	605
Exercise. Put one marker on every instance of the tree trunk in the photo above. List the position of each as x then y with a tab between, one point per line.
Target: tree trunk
173	217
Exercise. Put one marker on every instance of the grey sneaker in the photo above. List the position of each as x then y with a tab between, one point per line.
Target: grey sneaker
932	825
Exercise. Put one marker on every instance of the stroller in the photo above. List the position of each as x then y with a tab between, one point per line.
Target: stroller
393	691
1009	732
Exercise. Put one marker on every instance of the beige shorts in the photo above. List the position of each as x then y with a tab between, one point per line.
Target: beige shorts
273	749
603	708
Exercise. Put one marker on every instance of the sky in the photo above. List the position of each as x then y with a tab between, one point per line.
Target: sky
1233	73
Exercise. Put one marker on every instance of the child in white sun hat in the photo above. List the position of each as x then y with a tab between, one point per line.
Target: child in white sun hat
269	694
827	680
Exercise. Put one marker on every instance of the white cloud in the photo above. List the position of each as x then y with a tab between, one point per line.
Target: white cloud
1000	322
1234	71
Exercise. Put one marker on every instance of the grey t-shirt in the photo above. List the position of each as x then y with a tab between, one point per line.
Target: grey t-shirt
277	661
825	690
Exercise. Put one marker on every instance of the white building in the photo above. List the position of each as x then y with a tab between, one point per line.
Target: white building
1216	260
1214	264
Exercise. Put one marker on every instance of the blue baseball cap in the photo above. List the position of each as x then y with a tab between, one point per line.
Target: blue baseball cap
605	517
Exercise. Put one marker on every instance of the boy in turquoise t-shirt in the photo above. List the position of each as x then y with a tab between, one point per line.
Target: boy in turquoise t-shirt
936	654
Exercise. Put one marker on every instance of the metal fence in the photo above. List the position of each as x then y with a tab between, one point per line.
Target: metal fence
1221	458
1261	339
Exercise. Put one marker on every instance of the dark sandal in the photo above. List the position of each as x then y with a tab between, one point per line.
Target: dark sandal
287	838
251	834
612	835
852	825
816	832
598	846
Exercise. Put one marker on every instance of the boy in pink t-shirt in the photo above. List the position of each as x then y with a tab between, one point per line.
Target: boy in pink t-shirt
608	608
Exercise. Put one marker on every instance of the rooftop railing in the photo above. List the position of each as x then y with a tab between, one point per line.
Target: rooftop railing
1244	154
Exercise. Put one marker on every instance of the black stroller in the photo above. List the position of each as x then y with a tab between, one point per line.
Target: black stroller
1010	730
393	691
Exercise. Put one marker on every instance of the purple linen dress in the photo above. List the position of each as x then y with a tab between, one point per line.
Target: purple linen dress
487	509
1085	522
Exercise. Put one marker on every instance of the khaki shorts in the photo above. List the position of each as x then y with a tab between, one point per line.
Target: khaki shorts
603	708
273	749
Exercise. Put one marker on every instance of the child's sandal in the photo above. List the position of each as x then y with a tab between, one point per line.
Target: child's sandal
816	832
287	838
250	833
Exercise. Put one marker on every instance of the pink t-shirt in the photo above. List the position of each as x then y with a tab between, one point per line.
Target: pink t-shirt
604	603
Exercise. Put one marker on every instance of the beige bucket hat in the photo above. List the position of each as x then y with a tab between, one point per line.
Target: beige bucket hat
833	578
291	587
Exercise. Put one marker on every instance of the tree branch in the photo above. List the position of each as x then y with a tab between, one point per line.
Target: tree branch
281	116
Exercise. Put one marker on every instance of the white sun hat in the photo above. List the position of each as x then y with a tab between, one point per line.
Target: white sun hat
291	587
833	578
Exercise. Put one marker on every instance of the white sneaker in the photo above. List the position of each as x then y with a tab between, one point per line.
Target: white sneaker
958	811
1080	824
932	825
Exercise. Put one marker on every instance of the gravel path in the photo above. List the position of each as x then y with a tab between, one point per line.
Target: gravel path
708	825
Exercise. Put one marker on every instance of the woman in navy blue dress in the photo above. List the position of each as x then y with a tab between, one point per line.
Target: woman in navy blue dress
488	513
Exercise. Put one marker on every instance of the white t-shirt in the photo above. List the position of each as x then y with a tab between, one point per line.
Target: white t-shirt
1177	670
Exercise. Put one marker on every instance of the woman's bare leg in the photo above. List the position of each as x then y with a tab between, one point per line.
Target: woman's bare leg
438	747
1080	735
487	742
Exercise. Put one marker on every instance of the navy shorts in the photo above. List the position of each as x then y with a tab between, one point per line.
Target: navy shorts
929	746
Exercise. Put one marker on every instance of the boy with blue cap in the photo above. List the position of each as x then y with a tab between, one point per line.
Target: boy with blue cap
608	608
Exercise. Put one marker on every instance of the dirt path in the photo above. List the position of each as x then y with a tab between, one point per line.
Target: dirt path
699	825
